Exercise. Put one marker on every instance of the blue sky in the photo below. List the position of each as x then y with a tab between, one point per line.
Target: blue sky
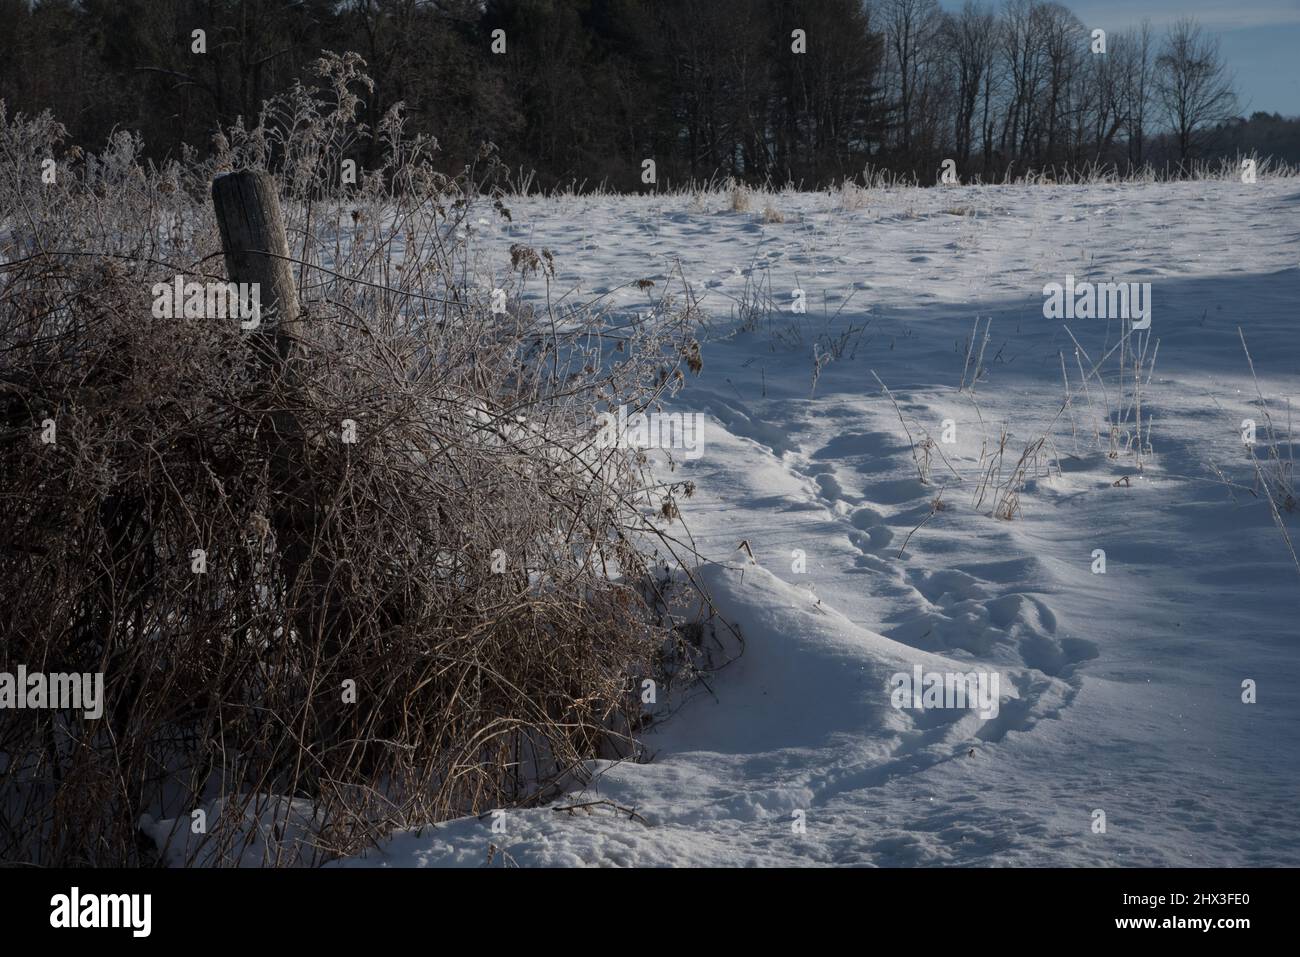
1260	39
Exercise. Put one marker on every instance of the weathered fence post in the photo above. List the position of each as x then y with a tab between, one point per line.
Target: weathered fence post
257	251
247	207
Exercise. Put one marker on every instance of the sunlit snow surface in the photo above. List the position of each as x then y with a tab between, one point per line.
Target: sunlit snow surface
1121	692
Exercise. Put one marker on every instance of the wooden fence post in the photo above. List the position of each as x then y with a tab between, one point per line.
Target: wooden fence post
247	207
248	215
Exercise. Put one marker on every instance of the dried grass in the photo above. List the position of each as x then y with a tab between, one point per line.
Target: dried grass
487	578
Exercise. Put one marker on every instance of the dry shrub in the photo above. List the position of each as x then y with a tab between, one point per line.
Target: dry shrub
851	197
740	196
478	570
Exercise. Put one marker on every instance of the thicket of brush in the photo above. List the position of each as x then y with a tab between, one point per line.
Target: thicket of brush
484	574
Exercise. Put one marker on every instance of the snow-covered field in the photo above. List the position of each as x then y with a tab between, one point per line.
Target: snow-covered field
1119	692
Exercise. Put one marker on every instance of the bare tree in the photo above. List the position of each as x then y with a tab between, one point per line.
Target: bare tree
1192	84
1135	54
993	82
910	26
1021	42
1064	46
970	37
1107	98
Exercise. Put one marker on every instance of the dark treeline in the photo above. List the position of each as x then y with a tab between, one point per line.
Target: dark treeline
588	89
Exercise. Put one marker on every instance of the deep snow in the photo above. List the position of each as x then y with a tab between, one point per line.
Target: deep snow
1121	692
